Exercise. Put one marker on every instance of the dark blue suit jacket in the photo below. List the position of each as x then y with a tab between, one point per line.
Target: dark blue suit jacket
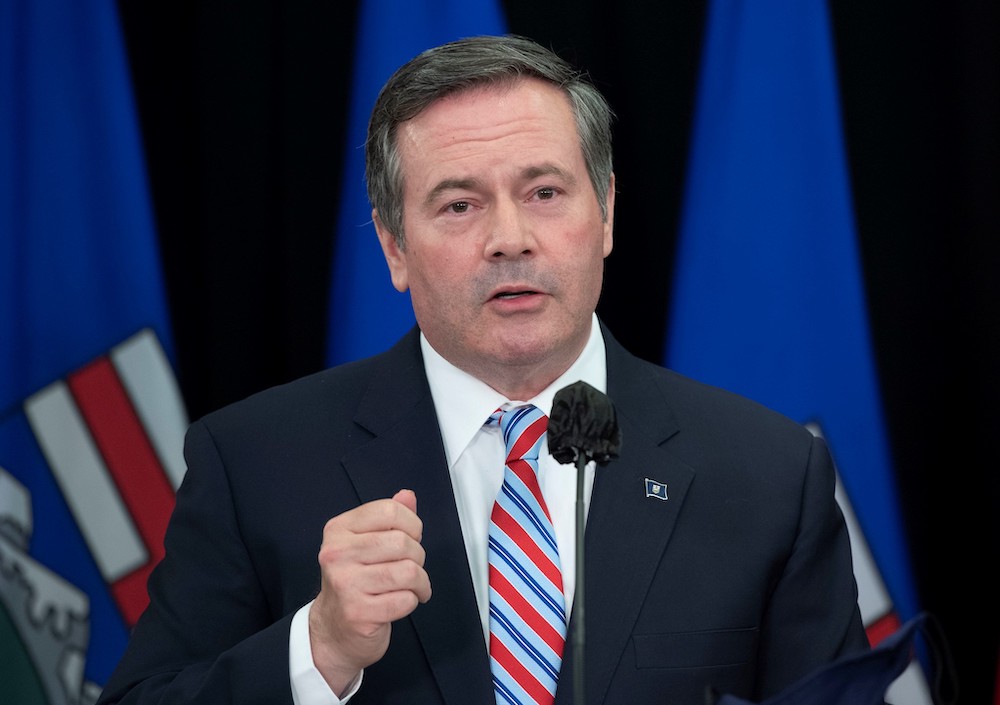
740	581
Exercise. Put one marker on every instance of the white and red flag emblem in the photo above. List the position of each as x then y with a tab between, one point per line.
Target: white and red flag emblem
89	475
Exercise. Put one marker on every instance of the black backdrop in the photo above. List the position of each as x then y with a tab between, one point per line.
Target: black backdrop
242	106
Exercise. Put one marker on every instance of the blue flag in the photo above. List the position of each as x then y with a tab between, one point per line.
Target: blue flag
90	417
366	314
769	298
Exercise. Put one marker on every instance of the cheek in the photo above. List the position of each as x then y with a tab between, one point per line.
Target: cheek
439	278
588	252
589	269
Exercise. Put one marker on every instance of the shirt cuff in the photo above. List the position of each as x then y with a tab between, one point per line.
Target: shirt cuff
308	685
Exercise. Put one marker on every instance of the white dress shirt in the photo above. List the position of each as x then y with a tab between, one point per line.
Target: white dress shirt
475	454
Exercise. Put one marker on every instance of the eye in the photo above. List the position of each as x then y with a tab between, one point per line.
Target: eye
459	207
545	194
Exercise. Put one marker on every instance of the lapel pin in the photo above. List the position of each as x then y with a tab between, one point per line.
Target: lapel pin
656	489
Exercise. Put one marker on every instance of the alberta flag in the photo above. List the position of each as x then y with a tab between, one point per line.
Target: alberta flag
769	299
91	421
366	314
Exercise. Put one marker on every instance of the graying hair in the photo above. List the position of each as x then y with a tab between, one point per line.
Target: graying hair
464	65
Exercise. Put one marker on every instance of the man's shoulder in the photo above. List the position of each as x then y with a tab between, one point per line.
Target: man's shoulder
327	397
734	443
695	402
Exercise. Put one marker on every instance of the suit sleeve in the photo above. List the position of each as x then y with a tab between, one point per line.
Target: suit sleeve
209	634
813	616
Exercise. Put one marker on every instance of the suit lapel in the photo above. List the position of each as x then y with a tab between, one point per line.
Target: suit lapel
627	532
407	452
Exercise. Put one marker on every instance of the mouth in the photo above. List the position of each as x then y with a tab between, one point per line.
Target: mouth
506	295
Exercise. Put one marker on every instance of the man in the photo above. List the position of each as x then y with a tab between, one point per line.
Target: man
489	171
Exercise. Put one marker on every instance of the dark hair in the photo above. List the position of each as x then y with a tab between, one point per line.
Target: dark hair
463	65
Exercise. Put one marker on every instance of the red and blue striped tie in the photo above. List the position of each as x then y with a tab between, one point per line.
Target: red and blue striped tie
527	611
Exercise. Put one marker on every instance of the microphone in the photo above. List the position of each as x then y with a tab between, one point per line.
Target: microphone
582	427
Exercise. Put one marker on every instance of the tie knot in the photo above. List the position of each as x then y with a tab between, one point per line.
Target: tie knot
522	428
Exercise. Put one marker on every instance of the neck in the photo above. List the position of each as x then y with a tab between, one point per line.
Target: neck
521	382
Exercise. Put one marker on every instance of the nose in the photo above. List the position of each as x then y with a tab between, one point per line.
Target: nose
510	234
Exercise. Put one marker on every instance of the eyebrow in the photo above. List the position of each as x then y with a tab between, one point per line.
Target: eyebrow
471	184
449	185
533	172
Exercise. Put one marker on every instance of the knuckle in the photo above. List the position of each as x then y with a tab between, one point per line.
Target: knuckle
396	541
412	572
388	510
331	552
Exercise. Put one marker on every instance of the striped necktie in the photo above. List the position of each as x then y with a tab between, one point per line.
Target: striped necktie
527	612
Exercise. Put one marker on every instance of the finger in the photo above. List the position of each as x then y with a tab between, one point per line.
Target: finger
388	607
363	594
397	576
372	548
379	515
388	546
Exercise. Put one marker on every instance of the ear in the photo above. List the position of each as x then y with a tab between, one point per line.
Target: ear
609	224
394	255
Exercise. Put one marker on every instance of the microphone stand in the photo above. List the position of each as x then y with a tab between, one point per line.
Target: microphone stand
582	427
578	601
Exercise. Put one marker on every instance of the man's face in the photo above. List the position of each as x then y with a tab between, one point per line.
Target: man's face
505	245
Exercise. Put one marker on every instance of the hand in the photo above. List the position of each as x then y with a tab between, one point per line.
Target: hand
372	568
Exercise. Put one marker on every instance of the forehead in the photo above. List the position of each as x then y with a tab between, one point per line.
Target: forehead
526	119
522	90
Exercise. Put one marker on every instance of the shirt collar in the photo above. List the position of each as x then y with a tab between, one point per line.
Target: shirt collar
463	403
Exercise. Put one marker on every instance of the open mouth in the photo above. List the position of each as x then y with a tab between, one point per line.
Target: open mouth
513	294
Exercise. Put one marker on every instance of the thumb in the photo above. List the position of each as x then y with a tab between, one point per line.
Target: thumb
407	498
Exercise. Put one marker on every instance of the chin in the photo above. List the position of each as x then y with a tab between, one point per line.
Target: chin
522	350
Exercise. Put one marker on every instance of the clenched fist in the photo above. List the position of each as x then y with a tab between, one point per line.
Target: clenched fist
372	567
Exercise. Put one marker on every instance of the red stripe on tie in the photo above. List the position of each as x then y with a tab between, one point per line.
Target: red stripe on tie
528	437
134	467
541	626
517	671
882	627
526	474
531	549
